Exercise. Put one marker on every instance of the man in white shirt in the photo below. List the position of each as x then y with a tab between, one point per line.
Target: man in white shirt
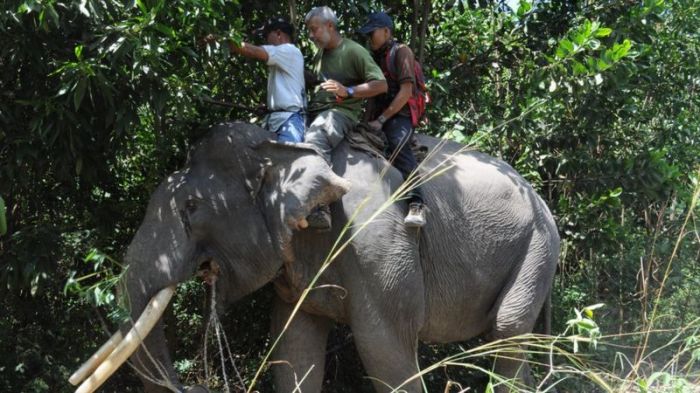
286	97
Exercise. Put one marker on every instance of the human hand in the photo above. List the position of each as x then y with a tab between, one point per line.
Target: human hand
335	87
208	40
375	124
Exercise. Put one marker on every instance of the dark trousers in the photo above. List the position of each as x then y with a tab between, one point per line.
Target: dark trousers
398	132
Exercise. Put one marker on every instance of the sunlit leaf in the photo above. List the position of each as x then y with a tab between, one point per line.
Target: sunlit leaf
603	32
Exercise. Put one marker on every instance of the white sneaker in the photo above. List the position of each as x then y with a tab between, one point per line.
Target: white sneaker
416	215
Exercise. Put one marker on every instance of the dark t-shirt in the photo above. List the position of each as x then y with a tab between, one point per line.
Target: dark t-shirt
350	64
402	71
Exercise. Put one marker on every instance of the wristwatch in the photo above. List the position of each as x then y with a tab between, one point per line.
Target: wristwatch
381	119
351	91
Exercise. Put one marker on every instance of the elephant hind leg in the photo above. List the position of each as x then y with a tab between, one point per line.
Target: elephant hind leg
513	367
519	307
510	362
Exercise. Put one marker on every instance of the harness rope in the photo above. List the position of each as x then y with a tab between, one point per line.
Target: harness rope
219	331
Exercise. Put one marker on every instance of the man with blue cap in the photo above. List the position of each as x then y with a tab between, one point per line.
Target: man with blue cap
391	112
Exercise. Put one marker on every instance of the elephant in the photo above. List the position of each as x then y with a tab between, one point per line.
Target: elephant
483	265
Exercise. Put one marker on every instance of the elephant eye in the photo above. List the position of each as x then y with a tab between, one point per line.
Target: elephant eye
190	206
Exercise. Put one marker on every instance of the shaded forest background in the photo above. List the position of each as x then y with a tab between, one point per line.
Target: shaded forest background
595	102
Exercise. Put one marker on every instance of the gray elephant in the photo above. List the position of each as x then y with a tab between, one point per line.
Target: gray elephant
483	264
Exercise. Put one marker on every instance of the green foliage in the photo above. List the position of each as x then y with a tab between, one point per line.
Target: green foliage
106	276
594	102
664	381
584	326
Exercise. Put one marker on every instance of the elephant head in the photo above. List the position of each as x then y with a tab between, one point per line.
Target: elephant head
232	209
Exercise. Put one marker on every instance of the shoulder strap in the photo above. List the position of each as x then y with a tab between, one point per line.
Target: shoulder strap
391	59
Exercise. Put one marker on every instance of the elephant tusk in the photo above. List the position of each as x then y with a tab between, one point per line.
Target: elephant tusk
149	317
91	364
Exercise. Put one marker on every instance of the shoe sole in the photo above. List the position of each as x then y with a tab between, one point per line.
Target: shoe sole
413	224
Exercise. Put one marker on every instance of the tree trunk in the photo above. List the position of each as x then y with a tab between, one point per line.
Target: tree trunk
414	25
292	12
423	30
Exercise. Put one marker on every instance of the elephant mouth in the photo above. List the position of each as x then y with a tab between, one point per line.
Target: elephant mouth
208	269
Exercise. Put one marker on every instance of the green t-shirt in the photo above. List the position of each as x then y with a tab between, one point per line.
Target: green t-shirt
350	64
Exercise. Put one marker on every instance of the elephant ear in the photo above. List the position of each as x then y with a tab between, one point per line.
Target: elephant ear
297	179
256	176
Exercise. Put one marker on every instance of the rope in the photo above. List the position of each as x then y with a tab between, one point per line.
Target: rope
218	329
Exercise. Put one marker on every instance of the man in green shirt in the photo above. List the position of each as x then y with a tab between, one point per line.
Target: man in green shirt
346	74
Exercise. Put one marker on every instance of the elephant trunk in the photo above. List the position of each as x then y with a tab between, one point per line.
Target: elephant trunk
121	348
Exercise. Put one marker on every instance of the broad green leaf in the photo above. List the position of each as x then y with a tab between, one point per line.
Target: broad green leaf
620	50
586	324
559	54
53	15
579	69
603	32
91	255
566	46
614	194
602	65
165	30
524	7
142	7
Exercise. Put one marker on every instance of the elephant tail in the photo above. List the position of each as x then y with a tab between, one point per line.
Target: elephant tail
544	320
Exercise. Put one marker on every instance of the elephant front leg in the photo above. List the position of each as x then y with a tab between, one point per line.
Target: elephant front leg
301	353
389	356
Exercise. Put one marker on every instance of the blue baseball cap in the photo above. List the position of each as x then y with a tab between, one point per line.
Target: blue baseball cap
376	20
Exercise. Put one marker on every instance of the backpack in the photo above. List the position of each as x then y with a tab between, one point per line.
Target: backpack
420	97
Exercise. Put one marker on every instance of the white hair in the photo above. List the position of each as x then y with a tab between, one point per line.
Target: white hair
324	13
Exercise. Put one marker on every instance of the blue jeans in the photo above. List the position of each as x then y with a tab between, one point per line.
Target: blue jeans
292	130
398	131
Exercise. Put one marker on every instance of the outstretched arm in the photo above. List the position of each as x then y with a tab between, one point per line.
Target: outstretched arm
244	49
248	50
